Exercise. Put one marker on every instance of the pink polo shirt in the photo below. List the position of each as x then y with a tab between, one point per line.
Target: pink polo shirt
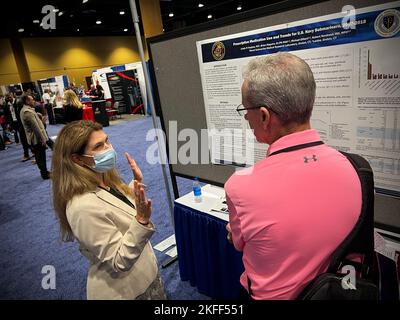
290	212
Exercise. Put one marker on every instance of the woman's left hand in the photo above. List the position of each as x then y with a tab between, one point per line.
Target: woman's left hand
143	205
137	173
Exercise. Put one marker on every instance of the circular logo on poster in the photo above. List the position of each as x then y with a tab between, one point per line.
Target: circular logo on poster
387	24
218	50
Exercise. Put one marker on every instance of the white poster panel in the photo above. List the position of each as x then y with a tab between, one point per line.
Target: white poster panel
355	61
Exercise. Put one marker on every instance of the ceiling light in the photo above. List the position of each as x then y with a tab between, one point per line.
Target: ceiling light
209	16
21	30
56	10
36	21
77	30
201	5
84	1
125	30
60	13
171	15
122	12
239	8
98	22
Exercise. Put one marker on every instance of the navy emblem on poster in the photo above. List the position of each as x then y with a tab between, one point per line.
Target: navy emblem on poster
218	50
387	24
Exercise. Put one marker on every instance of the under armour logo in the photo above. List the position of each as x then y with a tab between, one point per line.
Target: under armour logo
314	157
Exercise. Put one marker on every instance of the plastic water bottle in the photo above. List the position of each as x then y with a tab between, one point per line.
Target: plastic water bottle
197	190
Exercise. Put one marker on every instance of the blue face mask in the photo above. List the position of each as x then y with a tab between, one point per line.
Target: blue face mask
104	161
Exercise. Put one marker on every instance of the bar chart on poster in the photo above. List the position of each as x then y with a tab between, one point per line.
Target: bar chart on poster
380	64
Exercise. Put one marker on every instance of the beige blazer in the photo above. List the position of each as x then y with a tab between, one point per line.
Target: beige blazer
122	261
34	128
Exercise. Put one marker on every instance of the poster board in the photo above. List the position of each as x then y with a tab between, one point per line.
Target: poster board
357	73
182	100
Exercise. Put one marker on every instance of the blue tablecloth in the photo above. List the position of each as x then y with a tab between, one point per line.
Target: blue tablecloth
205	257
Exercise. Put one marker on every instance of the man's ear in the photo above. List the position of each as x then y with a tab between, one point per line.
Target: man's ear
265	116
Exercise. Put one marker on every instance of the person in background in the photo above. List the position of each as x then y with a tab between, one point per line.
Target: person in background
99	92
96	92
2	144
74	88
42	114
290	211
11	116
109	219
92	91
81	91
35	132
48	106
18	105
72	106
34	94
52	97
4	122
59	96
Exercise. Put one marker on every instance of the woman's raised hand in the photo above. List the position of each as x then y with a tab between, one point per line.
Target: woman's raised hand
137	173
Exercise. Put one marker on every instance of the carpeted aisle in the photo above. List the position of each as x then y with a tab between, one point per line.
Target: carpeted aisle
29	233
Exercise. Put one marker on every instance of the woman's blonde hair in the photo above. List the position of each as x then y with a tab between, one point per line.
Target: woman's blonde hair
69	178
70	98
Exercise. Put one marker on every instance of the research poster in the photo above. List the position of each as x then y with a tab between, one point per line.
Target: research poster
356	65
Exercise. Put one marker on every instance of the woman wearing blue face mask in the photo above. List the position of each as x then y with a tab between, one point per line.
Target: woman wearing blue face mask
109	219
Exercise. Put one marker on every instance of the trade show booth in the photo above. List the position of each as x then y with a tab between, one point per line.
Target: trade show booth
125	85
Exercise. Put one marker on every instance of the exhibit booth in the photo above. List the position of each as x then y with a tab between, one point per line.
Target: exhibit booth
56	84
22	86
125	85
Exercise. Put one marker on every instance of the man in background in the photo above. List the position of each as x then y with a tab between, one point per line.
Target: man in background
48	105
18	107
11	116
35	133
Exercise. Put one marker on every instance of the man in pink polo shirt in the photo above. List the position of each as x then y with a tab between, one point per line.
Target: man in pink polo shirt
293	208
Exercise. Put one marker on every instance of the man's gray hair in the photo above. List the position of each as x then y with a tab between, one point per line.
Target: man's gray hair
283	83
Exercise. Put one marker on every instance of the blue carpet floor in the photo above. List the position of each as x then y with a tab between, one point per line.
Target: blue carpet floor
29	232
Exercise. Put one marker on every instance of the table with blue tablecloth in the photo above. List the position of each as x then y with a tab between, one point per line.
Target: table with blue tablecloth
206	259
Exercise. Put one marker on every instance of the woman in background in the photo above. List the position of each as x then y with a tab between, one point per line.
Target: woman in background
110	219
72	106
